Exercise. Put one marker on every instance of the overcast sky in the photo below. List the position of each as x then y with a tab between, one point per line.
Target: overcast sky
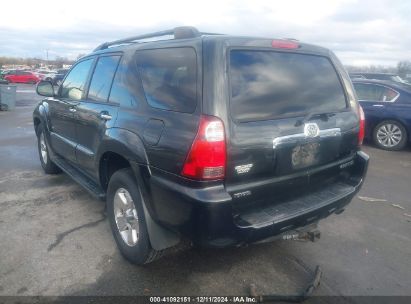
359	32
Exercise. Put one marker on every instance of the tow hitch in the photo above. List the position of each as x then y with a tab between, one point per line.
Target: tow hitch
290	298
311	235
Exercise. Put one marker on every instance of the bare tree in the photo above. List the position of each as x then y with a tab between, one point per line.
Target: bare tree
404	68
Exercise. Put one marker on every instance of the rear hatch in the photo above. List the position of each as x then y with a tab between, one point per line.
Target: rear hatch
291	126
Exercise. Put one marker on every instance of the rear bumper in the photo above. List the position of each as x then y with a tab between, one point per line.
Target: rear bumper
207	217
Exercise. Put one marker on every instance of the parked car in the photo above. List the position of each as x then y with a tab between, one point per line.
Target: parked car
20	76
46	74
387	109
218	139
378	76
59	76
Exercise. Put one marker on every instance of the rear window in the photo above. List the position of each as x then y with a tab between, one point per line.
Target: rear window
267	85
169	78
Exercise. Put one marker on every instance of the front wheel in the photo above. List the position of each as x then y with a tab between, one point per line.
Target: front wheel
390	135
126	214
48	166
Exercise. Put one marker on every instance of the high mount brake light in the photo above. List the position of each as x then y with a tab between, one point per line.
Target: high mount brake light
361	133
284	44
206	159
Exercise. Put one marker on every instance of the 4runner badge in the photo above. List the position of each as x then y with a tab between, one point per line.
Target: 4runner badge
243	168
311	129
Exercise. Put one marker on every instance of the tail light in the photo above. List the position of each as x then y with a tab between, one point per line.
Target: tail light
361	133
206	159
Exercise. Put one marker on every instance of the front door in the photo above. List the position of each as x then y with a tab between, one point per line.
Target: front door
62	110
95	114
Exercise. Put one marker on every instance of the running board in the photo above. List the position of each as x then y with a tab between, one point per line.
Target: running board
80	178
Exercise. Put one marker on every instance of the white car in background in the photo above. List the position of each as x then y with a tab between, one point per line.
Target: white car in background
46	74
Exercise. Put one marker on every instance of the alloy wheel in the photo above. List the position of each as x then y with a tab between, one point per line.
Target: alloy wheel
126	217
43	148
389	135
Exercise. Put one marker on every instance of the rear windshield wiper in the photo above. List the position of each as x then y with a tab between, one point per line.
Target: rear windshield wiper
311	115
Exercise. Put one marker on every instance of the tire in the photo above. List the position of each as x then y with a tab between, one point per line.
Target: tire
125	212
390	135
48	166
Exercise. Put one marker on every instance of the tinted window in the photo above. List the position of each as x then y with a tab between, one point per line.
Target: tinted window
268	84
75	82
169	78
373	92
122	92
102	78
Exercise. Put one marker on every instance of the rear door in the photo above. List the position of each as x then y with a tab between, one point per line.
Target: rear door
289	119
94	114
377	101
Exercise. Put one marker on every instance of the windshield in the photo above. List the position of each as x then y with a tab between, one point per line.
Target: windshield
268	84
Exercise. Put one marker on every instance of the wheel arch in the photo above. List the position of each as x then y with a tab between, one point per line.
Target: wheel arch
40	116
123	147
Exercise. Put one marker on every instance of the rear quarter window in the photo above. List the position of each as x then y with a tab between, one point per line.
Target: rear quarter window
268	84
169	78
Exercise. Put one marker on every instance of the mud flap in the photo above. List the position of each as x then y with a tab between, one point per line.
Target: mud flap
160	237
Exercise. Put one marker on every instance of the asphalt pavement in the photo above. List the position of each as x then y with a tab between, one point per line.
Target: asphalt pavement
55	238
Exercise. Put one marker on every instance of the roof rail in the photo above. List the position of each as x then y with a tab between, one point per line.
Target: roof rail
181	32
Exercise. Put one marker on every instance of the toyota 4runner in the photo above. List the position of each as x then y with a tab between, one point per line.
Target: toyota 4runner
217	139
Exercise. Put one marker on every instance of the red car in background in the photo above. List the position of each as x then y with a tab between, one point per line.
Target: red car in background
21	77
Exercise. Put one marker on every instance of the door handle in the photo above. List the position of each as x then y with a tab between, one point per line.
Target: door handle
378	105
72	110
105	115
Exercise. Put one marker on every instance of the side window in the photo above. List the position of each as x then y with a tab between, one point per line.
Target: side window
389	95
368	92
102	78
122	92
169	78
75	82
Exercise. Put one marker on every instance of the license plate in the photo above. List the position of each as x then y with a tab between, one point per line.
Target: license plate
305	155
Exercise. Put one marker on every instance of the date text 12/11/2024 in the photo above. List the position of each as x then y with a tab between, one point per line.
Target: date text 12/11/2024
203	299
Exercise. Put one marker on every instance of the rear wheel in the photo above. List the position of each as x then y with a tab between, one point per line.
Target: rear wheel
390	135
48	166
126	214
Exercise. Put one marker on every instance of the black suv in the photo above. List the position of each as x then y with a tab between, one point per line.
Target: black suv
216	139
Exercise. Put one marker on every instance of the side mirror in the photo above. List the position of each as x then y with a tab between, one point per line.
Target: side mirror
45	88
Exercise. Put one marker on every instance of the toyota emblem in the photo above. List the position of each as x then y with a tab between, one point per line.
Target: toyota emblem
311	130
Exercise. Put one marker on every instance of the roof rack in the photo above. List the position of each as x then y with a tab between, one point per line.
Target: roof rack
181	32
